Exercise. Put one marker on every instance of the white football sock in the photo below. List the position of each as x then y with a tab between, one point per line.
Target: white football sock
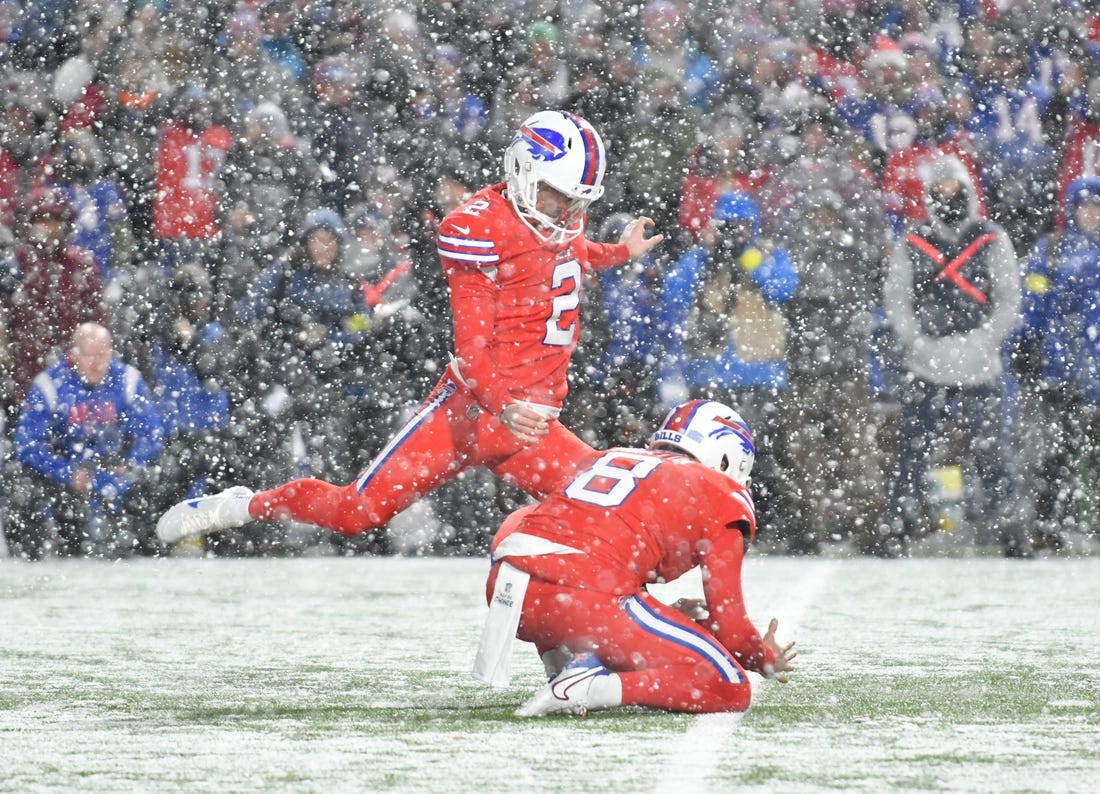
236	509
606	692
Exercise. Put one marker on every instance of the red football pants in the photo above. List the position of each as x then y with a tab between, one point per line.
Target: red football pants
664	658
446	435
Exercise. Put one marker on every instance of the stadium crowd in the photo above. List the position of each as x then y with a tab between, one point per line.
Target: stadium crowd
238	201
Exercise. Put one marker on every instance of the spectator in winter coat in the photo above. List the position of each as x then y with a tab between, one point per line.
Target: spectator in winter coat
933	137
341	135
246	73
621	350
732	264
658	148
384	373
85	441
189	158
190	361
26	138
59	287
880	111
668	48
830	418
725	337
606	90
952	296
399	59
300	313
134	116
99	213
722	163
270	179
819	154
1061	358
543	59
454	98
278	39
1018	162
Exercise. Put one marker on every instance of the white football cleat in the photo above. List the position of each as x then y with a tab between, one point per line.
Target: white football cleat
570	690
196	517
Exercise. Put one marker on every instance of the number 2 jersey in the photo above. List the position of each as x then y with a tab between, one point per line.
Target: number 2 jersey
515	300
634	516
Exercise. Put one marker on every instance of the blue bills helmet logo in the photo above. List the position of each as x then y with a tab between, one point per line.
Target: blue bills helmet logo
543	143
731	428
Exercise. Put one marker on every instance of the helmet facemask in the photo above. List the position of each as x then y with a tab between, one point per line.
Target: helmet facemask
567	226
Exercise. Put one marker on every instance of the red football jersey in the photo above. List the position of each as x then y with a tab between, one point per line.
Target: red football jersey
515	300
185	204
640	516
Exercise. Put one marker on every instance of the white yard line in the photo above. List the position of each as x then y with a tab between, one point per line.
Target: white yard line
694	758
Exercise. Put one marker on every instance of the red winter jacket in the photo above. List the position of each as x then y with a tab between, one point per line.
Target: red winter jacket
59	290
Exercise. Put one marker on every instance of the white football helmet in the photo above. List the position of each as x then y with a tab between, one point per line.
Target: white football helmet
565	152
713	434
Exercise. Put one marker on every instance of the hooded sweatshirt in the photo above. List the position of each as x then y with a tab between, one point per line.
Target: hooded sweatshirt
952	290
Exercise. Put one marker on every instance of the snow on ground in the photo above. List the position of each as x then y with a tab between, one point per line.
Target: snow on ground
335	674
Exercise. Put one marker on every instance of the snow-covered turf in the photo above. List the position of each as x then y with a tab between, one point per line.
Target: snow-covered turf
351	674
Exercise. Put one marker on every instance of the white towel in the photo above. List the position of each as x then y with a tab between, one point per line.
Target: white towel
493	663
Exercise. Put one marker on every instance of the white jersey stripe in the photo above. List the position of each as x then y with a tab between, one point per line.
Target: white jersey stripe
465	242
48	389
468	257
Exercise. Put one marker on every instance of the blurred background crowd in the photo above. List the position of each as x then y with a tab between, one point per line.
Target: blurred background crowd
221	215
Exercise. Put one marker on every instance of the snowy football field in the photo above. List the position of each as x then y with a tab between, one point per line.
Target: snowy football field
351	674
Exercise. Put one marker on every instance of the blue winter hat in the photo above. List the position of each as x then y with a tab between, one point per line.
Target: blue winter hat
1083	189
325	218
737	206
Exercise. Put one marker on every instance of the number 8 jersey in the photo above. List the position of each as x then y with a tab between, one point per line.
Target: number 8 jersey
516	300
634	516
629	517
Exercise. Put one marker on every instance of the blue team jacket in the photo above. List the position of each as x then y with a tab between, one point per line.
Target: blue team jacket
1062	300
66	424
186	402
777	280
